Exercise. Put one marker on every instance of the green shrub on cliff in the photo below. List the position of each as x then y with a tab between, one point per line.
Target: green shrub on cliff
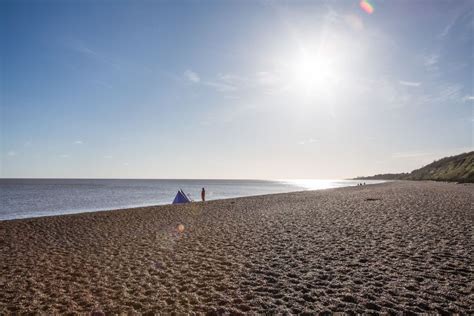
458	168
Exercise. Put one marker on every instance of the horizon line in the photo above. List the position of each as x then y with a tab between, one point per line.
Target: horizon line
205	179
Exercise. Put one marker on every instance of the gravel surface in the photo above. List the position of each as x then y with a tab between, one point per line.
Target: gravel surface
392	247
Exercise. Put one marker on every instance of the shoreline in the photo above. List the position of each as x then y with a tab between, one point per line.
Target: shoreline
392	247
74	212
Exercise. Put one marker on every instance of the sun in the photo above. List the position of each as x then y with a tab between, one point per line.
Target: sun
312	73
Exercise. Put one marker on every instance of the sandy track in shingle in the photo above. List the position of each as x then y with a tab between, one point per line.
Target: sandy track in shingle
393	247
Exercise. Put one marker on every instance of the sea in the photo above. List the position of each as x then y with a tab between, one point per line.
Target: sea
25	198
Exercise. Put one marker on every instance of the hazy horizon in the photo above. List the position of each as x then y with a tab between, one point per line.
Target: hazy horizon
197	179
233	90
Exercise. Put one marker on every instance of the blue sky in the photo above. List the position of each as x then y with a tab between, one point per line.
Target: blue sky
233	89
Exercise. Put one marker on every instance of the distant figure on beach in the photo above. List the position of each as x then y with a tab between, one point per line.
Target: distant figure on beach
203	195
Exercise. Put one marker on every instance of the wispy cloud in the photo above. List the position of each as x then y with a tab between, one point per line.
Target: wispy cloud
192	76
307	141
259	80
231	78
11	153
223	83
108	156
78	142
446	29
266	81
431	60
445	91
220	86
450	91
409	83
65	156
462	18
85	50
468	98
81	48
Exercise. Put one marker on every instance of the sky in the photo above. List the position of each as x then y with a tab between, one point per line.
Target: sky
233	89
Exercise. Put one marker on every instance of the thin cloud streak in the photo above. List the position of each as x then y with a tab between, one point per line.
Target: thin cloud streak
307	141
222	84
468	98
409	83
446	29
192	76
219	86
83	49
431	60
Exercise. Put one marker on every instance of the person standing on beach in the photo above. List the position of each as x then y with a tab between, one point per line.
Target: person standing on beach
203	195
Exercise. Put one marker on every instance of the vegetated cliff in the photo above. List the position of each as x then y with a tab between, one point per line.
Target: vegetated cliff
459	168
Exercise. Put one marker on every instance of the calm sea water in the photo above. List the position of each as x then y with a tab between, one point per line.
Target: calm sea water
22	198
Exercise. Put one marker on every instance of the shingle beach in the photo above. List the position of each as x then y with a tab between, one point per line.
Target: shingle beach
391	247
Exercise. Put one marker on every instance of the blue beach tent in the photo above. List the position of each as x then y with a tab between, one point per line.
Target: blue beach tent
181	197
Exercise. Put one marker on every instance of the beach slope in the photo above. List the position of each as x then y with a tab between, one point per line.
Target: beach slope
400	246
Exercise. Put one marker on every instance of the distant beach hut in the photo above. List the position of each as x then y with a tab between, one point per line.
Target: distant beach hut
181	197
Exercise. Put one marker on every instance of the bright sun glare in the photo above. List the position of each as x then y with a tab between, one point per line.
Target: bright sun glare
312	73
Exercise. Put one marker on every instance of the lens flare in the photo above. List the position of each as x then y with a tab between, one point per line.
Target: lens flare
366	6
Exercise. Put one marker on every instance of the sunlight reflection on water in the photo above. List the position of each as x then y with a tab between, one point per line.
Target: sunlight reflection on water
320	184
